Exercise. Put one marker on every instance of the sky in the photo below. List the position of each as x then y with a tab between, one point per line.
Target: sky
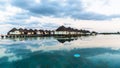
94	15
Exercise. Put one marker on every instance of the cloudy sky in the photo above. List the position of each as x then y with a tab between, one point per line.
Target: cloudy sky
97	15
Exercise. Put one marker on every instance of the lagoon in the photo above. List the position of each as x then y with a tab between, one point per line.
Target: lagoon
100	51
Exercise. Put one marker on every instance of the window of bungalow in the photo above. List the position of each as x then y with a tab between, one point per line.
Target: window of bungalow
45	32
38	32
56	32
60	32
16	32
28	33
53	32
67	32
31	32
63	32
41	32
11	32
22	32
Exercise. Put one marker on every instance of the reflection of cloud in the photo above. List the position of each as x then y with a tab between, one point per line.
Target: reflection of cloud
10	41
115	48
14	58
88	59
82	42
108	59
17	50
11	56
45	48
47	44
4	54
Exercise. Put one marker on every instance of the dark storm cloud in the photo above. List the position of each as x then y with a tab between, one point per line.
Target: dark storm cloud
70	8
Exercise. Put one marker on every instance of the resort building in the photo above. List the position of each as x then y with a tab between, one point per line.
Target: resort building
39	32
47	32
30	32
15	31
62	30
70	31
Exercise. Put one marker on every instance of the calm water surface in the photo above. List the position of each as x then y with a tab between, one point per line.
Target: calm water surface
101	51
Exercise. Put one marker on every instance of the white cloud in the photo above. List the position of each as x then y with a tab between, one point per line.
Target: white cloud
4	28
106	7
38	1
59	21
100	26
8	12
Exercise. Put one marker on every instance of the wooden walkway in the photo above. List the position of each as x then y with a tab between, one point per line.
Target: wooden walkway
23	36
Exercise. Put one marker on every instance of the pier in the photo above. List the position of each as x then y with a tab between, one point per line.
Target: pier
24	36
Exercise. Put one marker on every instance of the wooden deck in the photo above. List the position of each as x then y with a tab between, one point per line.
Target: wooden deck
23	36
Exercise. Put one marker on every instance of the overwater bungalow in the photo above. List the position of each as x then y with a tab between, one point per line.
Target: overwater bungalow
14	31
31	32
62	30
21	31
25	31
47	32
70	30
52	32
39	32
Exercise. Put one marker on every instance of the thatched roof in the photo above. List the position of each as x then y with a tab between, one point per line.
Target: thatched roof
25	30
21	30
61	28
41	30
30	30
12	30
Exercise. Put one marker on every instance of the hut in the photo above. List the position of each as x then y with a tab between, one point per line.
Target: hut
39	32
47	32
21	31
25	31
14	31
61	31
31	32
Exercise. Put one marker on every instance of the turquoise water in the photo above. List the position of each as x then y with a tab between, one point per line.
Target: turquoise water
101	51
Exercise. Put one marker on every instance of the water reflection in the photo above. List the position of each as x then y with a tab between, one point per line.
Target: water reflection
65	40
51	52
65	59
59	39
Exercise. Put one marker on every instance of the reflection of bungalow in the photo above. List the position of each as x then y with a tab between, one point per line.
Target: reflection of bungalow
64	40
